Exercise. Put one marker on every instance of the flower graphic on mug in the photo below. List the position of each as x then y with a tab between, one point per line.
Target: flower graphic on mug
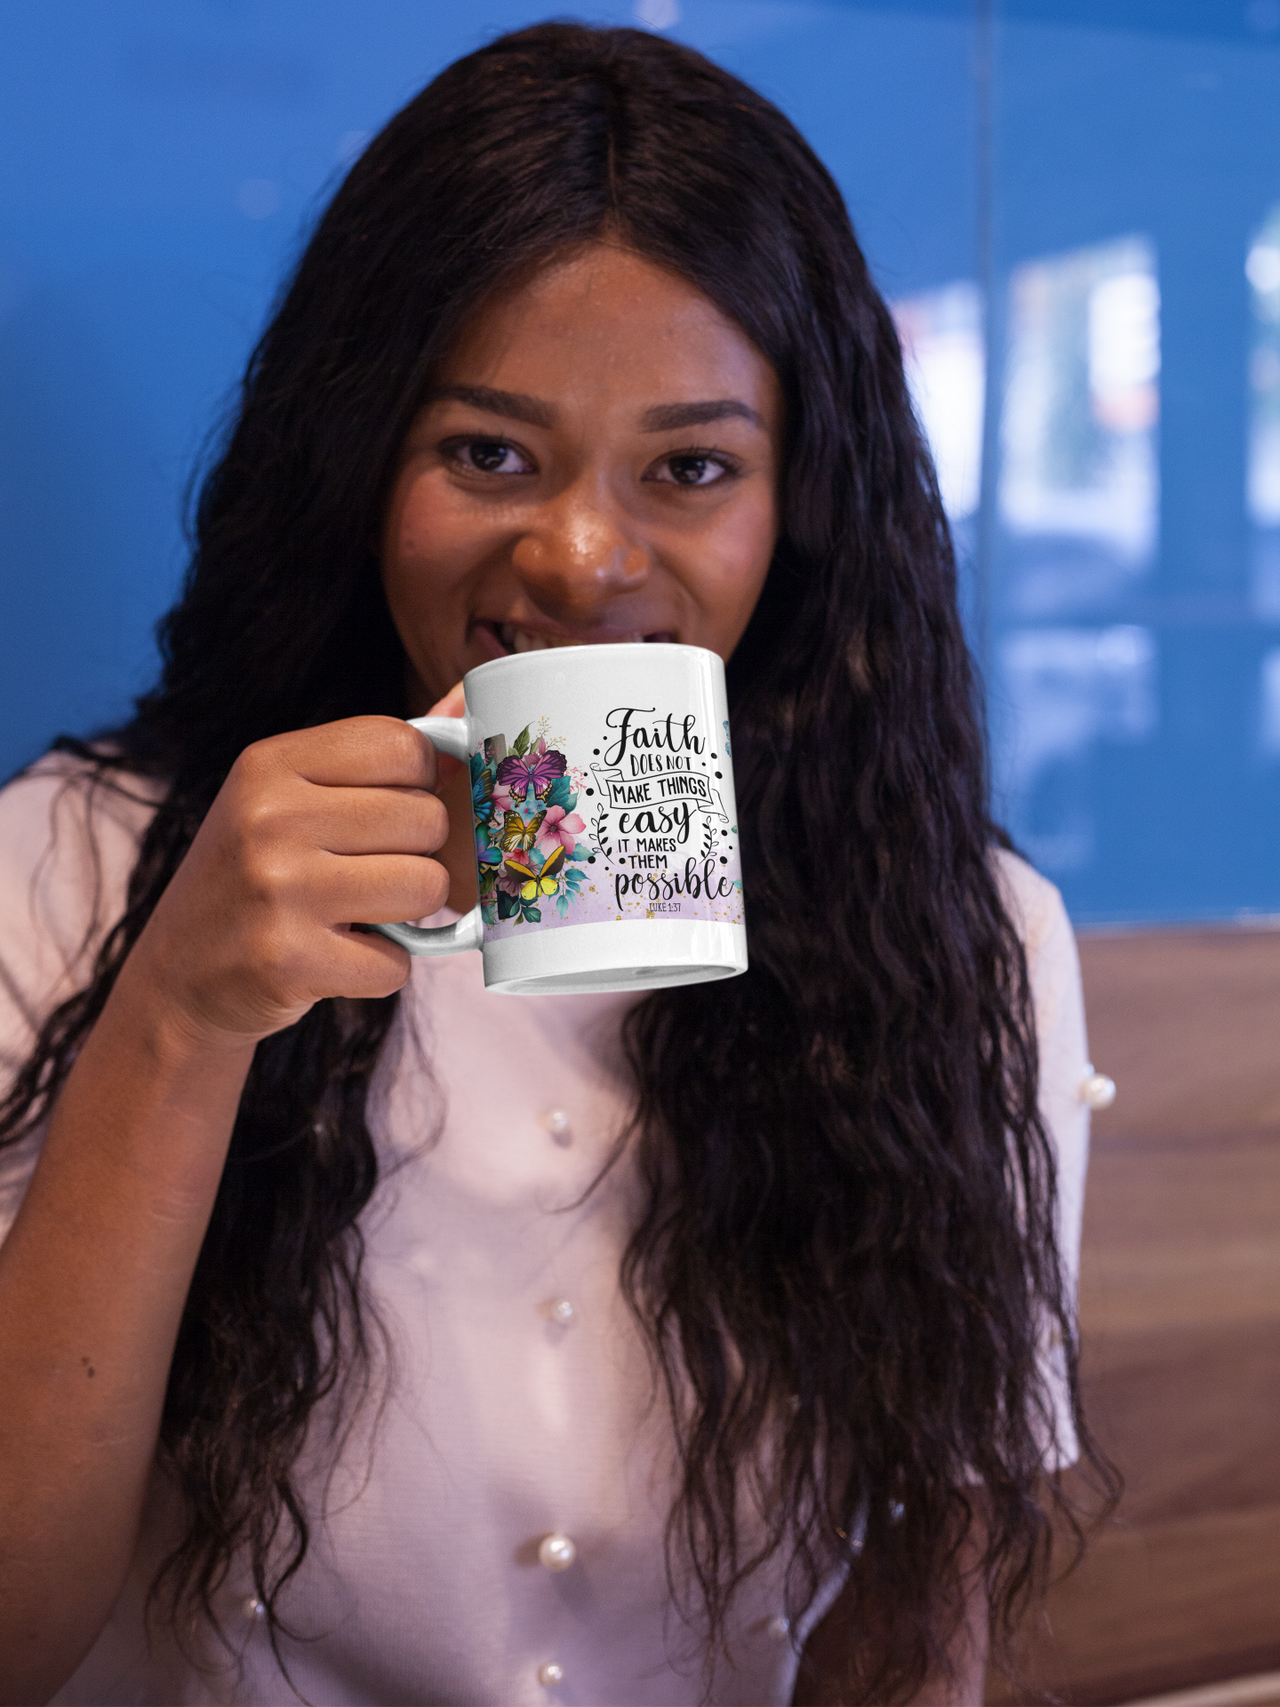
559	829
527	851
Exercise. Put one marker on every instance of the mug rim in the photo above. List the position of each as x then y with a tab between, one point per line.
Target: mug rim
649	647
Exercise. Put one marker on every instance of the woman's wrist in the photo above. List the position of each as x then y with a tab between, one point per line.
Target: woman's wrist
152	1009
148	1108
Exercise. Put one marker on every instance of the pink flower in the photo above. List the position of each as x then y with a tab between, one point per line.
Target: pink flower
503	799
509	882
558	830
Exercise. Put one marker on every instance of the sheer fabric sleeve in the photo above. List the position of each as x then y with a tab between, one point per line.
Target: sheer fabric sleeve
1053	967
68	844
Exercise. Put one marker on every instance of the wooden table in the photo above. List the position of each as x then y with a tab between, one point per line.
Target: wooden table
1180	1322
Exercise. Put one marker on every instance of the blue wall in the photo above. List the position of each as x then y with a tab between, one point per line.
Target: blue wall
1096	175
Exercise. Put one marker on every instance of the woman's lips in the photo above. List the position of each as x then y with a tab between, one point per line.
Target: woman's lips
505	638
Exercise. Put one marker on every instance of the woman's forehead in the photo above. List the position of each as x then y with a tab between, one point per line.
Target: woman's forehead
606	321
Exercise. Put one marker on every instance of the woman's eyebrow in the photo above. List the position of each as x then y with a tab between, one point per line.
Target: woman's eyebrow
664	417
516	405
661	418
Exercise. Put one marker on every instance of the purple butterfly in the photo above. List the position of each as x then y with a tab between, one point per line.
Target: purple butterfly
536	771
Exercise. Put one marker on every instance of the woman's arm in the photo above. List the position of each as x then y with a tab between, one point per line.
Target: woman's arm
828	1654
310	831
92	1282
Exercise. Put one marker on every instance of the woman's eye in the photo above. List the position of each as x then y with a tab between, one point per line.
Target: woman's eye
489	456
692	468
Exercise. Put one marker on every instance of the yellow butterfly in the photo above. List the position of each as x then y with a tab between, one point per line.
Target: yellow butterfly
516	834
535	884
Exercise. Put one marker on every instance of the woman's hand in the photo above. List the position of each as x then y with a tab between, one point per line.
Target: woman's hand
311	832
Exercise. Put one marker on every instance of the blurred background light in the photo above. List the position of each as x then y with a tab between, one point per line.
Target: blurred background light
944	349
657	14
1262	269
1079	460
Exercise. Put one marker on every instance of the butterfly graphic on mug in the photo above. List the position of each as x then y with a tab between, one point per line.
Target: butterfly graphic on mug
528	852
534	770
545	881
517	836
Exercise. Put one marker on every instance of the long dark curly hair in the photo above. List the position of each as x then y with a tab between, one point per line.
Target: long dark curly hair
846	1260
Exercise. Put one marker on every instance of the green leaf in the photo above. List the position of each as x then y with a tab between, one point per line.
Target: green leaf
520	746
488	884
531	914
561	794
508	905
489	913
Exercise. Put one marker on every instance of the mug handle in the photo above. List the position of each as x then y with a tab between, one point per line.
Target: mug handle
449	735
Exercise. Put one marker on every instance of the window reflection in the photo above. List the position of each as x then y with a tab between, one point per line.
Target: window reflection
1262	269
1079	487
1065	690
944	350
1270	722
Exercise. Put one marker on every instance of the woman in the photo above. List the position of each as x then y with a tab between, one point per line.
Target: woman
428	1347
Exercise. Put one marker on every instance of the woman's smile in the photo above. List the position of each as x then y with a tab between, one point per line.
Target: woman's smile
596	461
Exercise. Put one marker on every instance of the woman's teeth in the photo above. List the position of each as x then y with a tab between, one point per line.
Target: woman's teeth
524	640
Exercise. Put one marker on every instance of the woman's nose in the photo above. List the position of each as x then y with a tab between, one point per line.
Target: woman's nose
580	552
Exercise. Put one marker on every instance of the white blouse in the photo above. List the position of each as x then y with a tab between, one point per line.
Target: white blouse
493	1532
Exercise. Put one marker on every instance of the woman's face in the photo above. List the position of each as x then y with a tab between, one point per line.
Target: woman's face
597	460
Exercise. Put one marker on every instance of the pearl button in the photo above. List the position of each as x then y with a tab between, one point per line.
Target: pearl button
253	1608
1097	1091
556	1552
550	1673
779	1627
558	1123
561	1311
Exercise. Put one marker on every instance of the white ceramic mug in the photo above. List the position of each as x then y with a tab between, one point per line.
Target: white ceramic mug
605	824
